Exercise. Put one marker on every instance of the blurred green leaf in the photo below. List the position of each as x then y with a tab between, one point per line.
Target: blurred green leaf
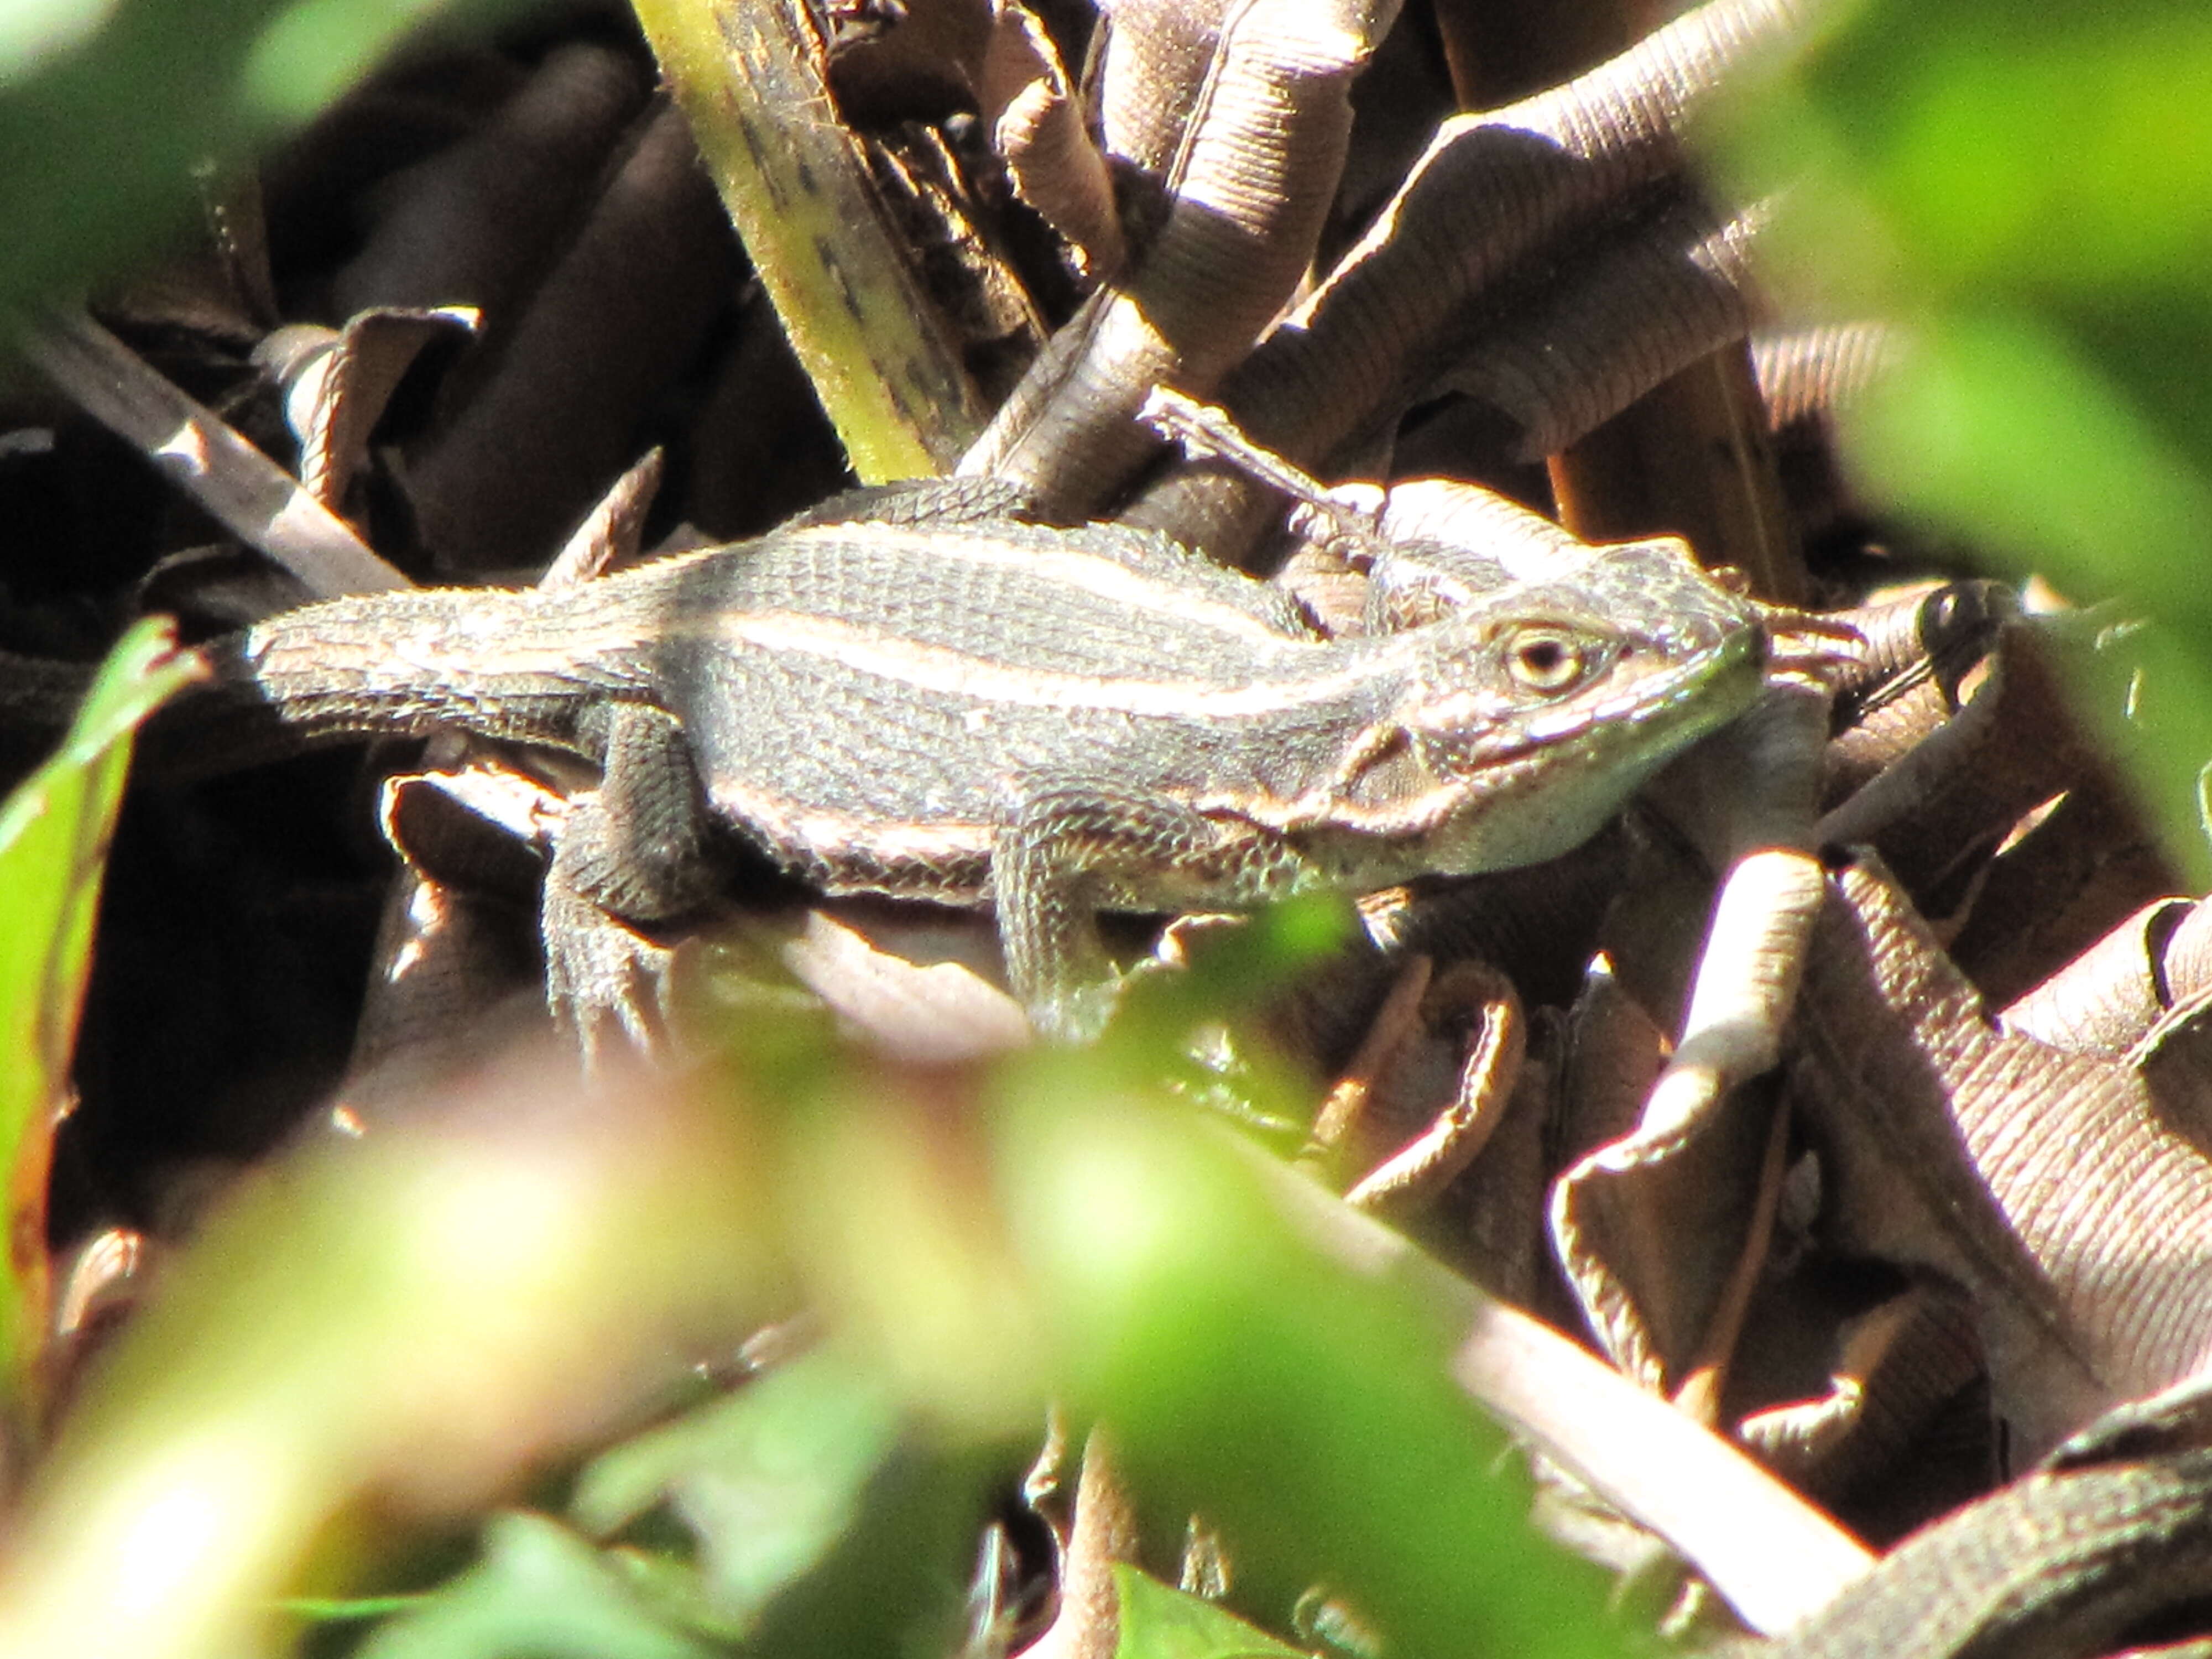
1234	968
1305	1408
2030	192
420	1314
1996	426
2063	149
54	831
31	32
105	131
1158	1622
340	1609
310	51
769	1479
539	1591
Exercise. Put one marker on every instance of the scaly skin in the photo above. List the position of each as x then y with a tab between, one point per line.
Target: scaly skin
1052	721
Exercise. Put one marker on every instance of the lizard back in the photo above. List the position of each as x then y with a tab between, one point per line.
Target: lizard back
860	698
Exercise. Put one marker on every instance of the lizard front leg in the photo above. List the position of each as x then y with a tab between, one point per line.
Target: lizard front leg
1070	846
633	850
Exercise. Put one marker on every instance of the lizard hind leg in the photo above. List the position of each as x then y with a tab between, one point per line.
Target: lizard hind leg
1068	847
634	850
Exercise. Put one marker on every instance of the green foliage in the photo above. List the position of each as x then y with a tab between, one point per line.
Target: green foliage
539	1591
2030	190
768	1479
417	1317
123	106
1160	1623
54	831
1302	1406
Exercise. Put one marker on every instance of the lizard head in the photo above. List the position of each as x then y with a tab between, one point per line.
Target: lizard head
1528	719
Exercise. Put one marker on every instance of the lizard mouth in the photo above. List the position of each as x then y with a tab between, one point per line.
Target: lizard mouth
1801	645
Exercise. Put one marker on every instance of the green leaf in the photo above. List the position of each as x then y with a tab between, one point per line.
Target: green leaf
121	102
540	1592
53	849
1158	1622
2054	150
421	1316
344	1609
2031	191
768	1480
1306	1408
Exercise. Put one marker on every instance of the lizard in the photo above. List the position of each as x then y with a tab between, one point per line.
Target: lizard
927	695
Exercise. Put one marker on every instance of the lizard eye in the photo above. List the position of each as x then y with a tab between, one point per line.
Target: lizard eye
1546	660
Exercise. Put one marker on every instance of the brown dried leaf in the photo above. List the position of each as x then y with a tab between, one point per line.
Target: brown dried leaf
2139	996
2022	1573
1659	1232
1152	69
910	985
1805	374
2058	884
2048	1184
1350	355
241	487
1480	1009
1648	299
551	421
2004	820
1250	187
919	60
1037	125
475	224
336	386
1775	1557
612	532
1493	1216
1650	1228
2108	999
1926	652
1893	1369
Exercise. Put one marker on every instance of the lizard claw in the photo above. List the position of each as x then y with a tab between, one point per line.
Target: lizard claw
1076	1014
607	985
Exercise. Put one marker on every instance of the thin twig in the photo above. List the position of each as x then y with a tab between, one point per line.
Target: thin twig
203	455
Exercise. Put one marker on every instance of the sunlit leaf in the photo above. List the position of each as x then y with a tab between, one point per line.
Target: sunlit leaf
32	31
540	1590
1160	1623
419	1315
2067	147
769	1479
53	850
1304	1408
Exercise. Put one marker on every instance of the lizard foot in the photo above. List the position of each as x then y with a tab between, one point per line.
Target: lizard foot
1076	1014
608	985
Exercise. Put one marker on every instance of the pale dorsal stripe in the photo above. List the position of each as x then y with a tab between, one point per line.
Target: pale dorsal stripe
947	672
1093	573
